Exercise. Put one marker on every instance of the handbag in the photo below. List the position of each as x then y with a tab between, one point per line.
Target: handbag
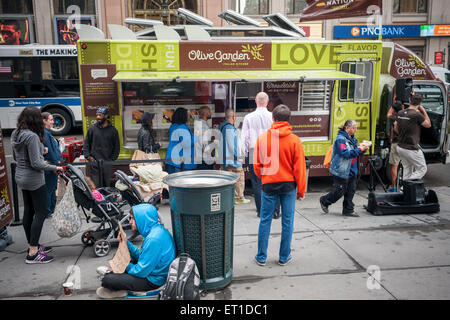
66	220
141	155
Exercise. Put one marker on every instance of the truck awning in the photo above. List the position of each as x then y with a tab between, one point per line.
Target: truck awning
295	75
251	75
144	76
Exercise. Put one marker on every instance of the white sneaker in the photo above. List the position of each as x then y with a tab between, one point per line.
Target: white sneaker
105	293
103	270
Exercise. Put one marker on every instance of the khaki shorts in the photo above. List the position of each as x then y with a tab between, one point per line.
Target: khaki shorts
394	157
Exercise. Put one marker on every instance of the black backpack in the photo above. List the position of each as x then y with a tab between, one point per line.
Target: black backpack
183	280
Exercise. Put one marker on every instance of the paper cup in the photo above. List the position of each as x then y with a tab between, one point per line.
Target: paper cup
68	288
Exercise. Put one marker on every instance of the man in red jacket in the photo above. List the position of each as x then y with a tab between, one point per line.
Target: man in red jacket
279	161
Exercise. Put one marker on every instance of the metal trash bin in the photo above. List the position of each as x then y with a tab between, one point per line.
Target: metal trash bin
202	213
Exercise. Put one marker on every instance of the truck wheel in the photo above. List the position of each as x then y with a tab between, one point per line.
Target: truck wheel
63	122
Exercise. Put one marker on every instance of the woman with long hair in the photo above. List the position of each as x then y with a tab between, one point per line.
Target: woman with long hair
146	139
28	149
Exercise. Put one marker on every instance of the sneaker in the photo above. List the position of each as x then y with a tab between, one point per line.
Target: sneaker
324	207
38	258
392	190
105	293
262	264
284	263
350	214
243	201
103	270
45	249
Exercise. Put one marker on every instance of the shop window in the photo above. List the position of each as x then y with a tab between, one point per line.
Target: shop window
251	7
16	7
295	6
356	90
85	6
161	10
410	6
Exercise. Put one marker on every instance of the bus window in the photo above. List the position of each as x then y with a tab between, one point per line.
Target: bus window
356	90
16	70
59	69
12	91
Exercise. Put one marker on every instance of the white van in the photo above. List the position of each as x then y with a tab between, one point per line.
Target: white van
442	74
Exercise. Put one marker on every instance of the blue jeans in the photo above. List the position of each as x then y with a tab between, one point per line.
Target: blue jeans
268	204
257	189
51	180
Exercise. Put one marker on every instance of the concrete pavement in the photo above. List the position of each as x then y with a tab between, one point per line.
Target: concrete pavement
331	254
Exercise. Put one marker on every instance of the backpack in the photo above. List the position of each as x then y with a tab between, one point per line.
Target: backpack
327	160
183	280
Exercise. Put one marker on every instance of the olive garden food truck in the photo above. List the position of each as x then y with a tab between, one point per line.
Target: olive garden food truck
323	83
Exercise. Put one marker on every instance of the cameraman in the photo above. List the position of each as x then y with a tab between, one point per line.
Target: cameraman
408	126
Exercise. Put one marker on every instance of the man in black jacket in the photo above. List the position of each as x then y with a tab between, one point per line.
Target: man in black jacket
101	143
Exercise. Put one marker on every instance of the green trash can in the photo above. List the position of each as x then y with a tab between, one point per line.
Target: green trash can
202	212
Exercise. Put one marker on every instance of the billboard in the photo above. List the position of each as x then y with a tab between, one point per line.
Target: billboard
14	31
430	30
66	32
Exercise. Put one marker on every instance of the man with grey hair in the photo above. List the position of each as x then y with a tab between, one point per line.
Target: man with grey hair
254	124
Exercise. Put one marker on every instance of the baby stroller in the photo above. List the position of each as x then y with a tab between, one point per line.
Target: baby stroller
108	211
132	195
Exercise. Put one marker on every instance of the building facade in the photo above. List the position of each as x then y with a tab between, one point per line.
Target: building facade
420	25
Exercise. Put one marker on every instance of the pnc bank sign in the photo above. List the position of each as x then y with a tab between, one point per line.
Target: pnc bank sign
387	31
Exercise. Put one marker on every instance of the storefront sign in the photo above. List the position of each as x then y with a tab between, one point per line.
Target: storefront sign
387	31
434	30
6	212
99	90
224	56
406	64
438	57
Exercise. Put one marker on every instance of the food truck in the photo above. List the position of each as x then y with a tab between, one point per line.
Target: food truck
323	82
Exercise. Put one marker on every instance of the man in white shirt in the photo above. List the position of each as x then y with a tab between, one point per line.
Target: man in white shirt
256	123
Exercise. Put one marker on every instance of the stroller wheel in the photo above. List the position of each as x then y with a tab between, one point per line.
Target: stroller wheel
87	239
101	248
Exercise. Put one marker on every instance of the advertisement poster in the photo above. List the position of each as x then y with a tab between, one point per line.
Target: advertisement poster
65	29
99	90
14	31
6	212
307	126
282	92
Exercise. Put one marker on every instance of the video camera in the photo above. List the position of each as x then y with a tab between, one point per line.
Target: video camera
403	89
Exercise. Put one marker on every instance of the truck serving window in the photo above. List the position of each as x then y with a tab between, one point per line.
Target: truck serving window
356	90
245	95
315	95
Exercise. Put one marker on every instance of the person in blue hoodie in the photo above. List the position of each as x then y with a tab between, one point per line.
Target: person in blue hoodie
181	144
149	265
344	168
52	156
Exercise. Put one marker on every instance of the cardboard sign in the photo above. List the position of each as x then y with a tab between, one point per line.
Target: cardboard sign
122	257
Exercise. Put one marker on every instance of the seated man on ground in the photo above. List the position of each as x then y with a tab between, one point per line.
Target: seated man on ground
150	265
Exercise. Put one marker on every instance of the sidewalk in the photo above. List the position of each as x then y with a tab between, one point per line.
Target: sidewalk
331	254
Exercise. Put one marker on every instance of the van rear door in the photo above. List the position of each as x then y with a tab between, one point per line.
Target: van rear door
433	140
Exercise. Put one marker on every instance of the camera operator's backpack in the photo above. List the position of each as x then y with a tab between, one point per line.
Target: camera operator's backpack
183	280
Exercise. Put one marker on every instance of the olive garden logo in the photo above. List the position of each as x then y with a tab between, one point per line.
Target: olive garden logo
254	50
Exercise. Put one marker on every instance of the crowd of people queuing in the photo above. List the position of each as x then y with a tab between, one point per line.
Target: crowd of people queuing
275	158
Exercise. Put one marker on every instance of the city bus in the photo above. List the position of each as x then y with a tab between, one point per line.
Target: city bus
44	76
324	82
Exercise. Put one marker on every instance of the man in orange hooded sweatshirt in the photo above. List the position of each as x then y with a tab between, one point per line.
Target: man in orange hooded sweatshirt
279	161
